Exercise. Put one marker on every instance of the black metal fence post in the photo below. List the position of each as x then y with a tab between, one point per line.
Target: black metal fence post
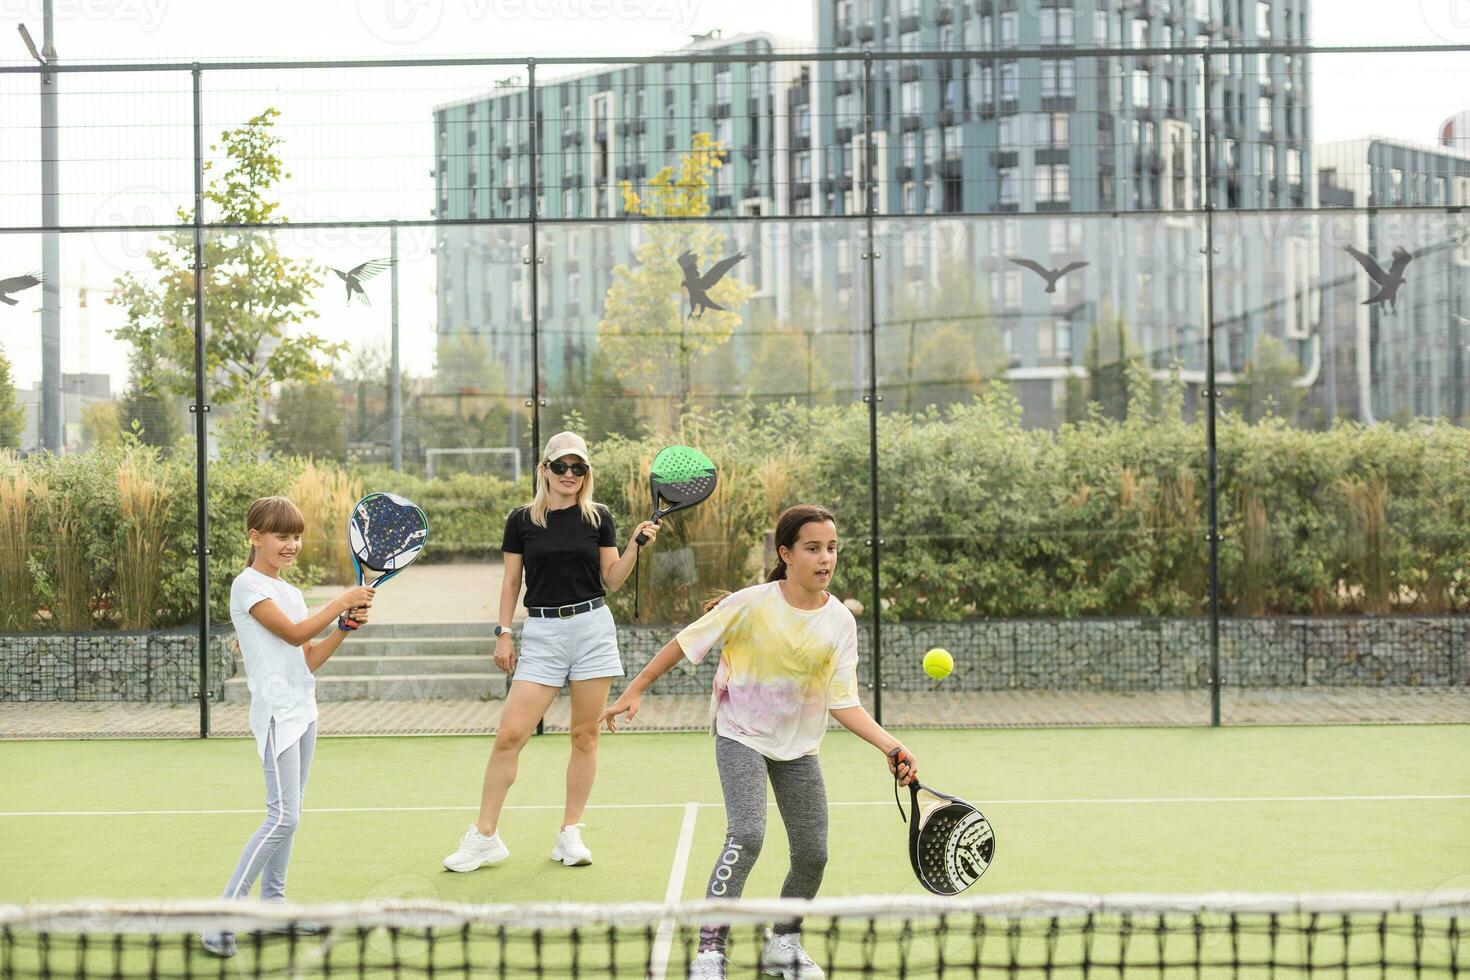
200	409
1212	399
870	257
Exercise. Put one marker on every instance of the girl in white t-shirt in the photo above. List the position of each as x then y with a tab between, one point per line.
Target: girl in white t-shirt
789	660
278	642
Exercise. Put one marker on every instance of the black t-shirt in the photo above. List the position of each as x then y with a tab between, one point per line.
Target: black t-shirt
562	561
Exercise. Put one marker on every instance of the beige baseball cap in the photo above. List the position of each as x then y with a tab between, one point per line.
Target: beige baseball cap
566	444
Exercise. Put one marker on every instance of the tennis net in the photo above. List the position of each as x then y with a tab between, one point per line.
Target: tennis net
1035	935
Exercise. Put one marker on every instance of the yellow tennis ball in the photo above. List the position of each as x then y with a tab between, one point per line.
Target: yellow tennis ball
938	663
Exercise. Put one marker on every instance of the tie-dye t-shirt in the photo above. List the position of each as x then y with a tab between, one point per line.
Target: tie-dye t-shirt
782	668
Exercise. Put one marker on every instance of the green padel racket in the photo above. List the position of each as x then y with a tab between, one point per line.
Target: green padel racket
679	478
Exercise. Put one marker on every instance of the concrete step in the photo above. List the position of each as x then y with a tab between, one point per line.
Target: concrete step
391	631
392	687
367	645
339	666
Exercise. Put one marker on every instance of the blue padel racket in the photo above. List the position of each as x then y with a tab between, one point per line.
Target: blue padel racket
679	478
385	534
950	842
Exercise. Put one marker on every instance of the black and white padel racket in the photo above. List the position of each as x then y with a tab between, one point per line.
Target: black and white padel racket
385	534
950	842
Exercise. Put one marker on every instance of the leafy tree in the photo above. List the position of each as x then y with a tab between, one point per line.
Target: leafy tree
307	420
941	341
649	343
1267	385
143	410
1116	375
101	425
254	295
12	414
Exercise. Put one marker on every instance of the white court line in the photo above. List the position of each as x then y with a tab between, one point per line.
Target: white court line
664	944
1058	801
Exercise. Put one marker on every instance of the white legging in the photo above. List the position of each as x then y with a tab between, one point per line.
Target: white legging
269	849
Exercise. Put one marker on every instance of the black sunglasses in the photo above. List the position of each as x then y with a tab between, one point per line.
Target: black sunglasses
559	468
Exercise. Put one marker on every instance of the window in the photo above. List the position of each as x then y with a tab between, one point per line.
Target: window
1100	27
1140	88
1007	185
987	84
757	80
987	31
803	166
724	134
1140	34
1009	81
911	149
1263	19
1067	79
803	120
951	138
1265	116
1008	25
1006	132
722	85
1043	183
1057	79
569	202
912	94
1061	182
1056	25
1013	290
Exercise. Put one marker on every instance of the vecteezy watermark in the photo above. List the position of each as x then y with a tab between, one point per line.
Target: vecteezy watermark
401	21
1447	19
412	21
147	13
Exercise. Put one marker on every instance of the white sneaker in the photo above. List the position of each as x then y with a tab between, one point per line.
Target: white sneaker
784	957
569	849
709	965
476	850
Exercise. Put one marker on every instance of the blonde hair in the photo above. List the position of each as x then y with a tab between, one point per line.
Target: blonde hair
273	515
538	506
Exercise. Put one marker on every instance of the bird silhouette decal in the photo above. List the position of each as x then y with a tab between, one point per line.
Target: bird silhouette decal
15	284
1385	284
1052	276
354	278
699	285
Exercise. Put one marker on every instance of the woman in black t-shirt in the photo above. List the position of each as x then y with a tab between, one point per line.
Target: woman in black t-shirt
567	547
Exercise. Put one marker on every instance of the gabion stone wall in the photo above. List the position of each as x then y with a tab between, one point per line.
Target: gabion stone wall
160	667
1057	655
1138	654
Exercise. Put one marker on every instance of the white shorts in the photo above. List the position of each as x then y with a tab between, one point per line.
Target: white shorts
579	648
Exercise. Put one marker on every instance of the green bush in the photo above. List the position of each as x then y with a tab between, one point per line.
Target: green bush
980	516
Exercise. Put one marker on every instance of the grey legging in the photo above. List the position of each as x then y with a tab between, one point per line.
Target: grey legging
268	851
801	797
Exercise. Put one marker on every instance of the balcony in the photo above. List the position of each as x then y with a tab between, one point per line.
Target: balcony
844	134
908	23
571	137
800	143
751	151
904	173
503	152
865	33
1053	154
911	122
722	202
624	128
639	126
844	37
720	110
750	191
946	117
844	86
910	72
1005	158
951	167
944	13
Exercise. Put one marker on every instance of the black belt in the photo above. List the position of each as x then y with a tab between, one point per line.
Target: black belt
565	612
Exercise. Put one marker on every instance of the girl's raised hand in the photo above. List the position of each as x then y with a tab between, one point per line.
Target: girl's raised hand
357	597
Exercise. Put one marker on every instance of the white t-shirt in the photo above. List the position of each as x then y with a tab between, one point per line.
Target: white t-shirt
281	685
782	668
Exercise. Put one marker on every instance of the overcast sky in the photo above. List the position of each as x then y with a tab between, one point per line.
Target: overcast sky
126	138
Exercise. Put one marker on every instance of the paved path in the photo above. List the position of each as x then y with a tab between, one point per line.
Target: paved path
467	593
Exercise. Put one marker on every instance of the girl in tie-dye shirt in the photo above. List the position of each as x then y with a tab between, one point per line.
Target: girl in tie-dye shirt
788	662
